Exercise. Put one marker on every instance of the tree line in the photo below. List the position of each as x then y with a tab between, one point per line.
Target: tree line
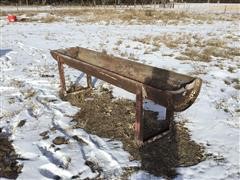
103	2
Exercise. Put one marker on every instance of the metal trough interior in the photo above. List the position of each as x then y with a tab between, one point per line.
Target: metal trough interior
173	90
179	90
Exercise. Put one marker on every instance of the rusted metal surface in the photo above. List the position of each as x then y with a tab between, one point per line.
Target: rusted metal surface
120	81
160	85
139	119
153	76
62	78
173	90
183	89
89	81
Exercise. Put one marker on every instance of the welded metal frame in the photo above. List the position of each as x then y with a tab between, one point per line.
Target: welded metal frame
139	101
173	100
61	76
139	117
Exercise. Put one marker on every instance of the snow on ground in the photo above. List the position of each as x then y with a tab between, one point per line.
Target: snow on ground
27	94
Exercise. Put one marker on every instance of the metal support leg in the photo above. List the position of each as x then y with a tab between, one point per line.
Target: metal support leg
62	78
89	81
169	117
139	119
169	114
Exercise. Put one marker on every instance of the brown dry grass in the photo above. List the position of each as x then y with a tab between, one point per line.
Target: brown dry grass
119	42
157	41
234	82
227	8
9	166
194	54
131	15
49	19
171	41
208	53
193	46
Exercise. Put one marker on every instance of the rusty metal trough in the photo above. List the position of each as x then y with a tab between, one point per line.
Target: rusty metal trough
175	91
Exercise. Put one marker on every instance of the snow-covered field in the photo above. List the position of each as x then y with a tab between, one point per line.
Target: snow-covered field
27	94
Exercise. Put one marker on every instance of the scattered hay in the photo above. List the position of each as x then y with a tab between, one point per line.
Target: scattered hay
176	149
107	117
9	167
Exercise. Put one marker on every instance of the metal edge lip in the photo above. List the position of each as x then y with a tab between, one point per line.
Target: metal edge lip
197	89
177	107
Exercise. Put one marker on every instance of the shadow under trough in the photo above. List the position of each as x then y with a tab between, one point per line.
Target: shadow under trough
107	117
9	167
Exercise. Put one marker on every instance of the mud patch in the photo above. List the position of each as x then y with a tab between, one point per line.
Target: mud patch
9	167
107	117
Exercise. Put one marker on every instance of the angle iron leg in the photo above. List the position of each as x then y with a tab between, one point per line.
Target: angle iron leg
139	119
62	78
169	116
166	127
89	81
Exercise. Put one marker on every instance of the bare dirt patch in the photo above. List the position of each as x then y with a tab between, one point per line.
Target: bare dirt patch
107	117
9	167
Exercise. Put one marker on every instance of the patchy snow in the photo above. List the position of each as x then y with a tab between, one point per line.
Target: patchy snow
26	94
190	7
